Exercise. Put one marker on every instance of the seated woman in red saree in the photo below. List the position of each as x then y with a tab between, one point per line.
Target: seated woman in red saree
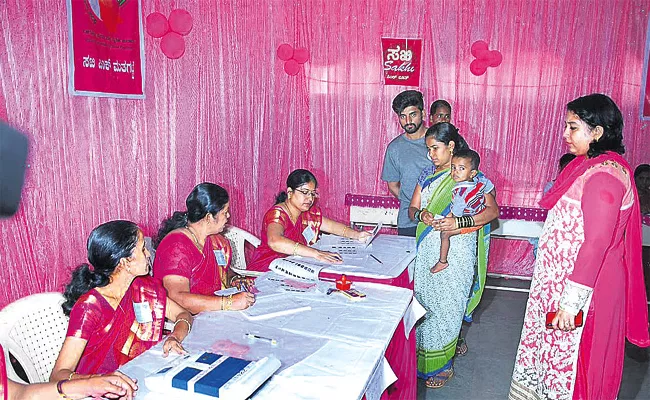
589	260
193	258
294	222
116	309
115	385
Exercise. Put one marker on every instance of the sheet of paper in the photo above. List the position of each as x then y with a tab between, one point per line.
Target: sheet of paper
373	234
412	315
297	268
273	305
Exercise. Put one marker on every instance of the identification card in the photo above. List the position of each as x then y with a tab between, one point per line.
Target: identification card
143	312
221	257
308	234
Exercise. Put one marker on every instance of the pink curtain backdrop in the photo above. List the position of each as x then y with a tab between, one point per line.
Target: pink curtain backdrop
227	112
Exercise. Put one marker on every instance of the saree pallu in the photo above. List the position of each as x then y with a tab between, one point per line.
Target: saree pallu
451	294
178	255
115	337
263	254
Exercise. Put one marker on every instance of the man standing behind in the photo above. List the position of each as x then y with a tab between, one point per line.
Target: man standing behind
440	111
406	156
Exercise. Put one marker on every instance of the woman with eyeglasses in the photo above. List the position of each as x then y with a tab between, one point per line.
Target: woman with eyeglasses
294	222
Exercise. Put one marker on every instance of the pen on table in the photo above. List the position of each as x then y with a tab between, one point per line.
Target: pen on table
376	259
262	338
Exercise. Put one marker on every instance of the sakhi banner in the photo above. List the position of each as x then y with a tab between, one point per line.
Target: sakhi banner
106	48
401	61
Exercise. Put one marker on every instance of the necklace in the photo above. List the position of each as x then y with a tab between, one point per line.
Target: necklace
196	241
293	219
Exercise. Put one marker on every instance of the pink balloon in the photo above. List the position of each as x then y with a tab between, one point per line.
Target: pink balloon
292	67
478	67
495	58
173	45
301	55
480	49
157	25
180	21
285	52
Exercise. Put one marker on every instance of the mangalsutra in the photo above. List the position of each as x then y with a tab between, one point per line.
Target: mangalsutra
286	206
196	241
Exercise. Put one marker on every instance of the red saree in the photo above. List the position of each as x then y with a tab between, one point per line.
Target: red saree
115	336
207	271
263	255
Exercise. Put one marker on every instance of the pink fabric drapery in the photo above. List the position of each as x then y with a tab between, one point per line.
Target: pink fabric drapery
227	112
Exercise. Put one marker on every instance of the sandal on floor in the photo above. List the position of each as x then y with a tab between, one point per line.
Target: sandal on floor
440	379
461	348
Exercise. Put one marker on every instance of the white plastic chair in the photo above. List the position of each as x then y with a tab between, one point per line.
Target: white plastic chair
32	329
238	238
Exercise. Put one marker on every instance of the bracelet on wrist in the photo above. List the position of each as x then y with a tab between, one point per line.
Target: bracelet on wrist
345	229
189	326
59	388
228	303
416	215
295	249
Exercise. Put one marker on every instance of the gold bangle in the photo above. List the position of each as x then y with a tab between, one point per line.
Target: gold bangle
71	375
189	326
228	305
295	249
345	229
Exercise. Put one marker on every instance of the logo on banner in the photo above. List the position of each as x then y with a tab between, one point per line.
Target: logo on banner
401	61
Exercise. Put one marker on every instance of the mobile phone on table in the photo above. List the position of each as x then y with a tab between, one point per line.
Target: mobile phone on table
551	315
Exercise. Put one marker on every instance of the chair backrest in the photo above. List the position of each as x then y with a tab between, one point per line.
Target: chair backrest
238	237
32	329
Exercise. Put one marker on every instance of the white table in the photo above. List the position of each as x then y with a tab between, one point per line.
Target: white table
335	350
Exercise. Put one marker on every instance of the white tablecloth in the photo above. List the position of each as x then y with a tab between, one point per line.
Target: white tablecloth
335	350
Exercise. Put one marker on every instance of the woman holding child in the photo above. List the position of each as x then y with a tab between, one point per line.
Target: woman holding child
451	292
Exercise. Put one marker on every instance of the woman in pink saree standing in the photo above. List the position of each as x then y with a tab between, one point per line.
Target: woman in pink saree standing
589	259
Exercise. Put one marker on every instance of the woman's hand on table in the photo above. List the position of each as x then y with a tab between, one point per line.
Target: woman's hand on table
364	236
242	282
242	301
172	343
444	224
328	257
111	386
564	321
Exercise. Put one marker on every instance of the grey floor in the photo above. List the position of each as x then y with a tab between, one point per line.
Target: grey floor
485	372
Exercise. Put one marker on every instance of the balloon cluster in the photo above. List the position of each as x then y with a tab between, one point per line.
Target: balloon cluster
484	58
293	58
171	31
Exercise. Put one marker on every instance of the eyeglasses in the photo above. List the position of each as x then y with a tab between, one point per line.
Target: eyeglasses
308	193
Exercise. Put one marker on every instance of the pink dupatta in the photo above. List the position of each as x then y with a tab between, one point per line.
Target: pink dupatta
636	309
